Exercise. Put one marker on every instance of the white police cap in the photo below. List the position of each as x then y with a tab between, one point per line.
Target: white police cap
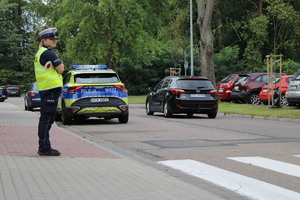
49	32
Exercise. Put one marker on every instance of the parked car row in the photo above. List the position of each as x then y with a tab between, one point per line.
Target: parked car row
253	88
11	90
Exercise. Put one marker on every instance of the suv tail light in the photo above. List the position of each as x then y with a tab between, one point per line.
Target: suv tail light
122	88
74	88
177	91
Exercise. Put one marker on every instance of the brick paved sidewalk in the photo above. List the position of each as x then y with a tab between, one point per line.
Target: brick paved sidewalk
84	170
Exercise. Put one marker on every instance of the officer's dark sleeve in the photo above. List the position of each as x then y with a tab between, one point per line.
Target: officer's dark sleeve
50	55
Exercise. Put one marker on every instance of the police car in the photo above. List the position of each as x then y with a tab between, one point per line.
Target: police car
92	91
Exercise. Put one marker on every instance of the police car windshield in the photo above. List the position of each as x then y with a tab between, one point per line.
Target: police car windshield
96	78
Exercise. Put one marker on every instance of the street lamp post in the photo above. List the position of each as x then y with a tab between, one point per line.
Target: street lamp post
191	38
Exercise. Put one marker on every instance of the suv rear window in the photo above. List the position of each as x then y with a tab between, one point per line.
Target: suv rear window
194	83
297	77
34	87
96	78
242	78
228	79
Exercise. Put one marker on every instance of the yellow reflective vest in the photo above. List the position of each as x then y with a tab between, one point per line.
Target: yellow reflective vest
46	77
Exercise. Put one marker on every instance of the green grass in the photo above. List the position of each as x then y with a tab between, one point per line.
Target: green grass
137	99
259	110
243	109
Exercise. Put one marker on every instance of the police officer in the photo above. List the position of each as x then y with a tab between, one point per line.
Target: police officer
48	69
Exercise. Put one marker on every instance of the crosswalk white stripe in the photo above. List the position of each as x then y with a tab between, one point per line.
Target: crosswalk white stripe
297	155
274	165
240	184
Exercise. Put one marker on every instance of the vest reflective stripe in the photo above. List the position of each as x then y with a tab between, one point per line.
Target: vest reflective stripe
46	78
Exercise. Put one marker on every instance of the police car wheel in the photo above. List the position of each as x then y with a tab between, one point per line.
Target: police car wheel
66	120
57	117
123	118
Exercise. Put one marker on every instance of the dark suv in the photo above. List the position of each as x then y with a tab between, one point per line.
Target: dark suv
189	95
13	90
248	88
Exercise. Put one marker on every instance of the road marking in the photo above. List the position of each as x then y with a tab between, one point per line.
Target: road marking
274	165
297	155
240	184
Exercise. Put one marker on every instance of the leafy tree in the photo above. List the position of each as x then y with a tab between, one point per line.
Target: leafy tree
290	67
108	31
227	62
13	42
284	26
256	35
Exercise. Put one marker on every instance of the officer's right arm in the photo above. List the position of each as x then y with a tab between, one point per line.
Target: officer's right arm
60	68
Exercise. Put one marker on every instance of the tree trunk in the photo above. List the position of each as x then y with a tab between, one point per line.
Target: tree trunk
260	7
206	47
219	29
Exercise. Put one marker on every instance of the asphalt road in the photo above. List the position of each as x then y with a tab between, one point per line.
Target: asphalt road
264	150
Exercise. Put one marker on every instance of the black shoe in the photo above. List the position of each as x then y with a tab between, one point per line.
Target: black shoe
50	152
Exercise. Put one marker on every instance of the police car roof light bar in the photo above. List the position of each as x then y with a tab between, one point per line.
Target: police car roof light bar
85	67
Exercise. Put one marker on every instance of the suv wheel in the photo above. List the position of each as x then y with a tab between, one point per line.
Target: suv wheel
212	114
148	111
253	99
284	101
189	114
167	112
30	108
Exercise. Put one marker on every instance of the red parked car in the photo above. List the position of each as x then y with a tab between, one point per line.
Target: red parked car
263	95
224	87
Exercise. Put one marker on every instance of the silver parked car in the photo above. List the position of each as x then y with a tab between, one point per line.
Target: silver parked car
293	93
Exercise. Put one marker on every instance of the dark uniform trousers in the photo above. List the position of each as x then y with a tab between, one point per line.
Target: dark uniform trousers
49	100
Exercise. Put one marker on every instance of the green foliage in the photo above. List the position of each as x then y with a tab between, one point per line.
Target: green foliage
109	32
284	24
142	40
14	42
259	110
290	67
227	62
256	35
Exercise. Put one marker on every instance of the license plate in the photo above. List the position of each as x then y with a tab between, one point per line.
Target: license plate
197	95
221	90
236	87
293	87
265	90
95	100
